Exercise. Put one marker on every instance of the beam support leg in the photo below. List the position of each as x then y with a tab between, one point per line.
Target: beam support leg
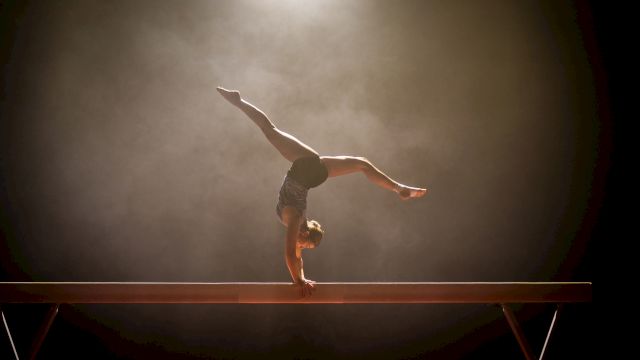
517	331
43	331
551	327
6	327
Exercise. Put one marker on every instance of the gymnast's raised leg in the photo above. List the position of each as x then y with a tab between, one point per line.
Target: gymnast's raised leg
292	148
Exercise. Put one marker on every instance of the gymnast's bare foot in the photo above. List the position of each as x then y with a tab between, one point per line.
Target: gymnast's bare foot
232	96
408	192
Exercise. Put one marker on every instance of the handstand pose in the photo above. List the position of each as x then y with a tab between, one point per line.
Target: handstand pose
308	171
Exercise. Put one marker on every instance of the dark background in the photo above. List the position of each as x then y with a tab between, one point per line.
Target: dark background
119	162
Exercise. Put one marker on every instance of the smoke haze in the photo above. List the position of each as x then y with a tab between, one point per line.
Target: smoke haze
122	162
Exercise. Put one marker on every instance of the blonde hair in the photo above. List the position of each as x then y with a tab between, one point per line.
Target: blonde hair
315	232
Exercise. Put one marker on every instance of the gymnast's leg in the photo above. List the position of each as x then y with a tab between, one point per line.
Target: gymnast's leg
343	165
290	147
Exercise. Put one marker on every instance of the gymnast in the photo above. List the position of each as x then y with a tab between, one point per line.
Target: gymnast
308	170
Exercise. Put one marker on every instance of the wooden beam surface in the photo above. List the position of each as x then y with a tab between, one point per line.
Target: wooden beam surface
283	293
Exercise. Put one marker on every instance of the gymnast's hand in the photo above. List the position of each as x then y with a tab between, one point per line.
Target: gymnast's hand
307	287
232	96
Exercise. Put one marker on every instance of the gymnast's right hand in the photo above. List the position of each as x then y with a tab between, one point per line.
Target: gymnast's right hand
232	96
307	287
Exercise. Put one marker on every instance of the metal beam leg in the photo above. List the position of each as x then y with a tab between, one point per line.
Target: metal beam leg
551	327
517	331
44	329
6	326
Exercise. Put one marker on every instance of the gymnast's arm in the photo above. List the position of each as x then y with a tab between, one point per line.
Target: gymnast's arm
293	254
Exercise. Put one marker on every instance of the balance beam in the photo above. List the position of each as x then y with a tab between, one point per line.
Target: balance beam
503	293
287	293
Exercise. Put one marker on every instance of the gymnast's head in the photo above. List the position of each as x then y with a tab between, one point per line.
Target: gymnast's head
311	235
